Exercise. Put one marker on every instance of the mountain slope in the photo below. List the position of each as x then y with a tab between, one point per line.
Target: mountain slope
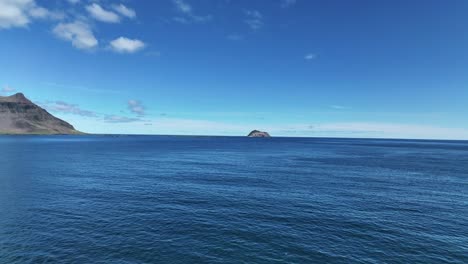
18	115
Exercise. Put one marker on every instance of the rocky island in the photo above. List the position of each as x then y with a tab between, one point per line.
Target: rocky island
257	133
18	115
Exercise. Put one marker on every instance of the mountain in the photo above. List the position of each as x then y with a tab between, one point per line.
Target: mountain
18	115
256	133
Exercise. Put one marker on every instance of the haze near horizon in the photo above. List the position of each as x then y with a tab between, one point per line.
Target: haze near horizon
290	67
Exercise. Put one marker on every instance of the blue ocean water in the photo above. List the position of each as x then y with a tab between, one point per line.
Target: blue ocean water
168	199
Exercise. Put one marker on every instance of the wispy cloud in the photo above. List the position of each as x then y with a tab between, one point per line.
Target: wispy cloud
67	108
235	37
183	6
136	107
124	11
7	89
43	13
78	33
287	3
254	19
188	15
193	18
338	107
61	107
99	13
126	45
310	56
120	119
387	130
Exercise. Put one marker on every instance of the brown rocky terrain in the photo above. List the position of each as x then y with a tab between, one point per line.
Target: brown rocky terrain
18	115
256	133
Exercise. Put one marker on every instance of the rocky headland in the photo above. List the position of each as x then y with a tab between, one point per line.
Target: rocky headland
18	115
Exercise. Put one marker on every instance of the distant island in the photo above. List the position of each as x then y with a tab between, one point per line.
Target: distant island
18	115
257	133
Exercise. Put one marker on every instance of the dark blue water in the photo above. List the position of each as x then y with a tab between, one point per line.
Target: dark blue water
163	199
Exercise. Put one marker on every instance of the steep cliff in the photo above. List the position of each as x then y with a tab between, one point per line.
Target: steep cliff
18	115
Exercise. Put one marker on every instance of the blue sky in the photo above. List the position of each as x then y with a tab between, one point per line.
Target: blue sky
294	68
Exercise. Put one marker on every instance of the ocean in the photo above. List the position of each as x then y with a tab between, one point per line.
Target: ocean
188	199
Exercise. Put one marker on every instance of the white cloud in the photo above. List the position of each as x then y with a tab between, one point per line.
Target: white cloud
78	33
13	14
126	45
101	14
287	3
254	19
124	11
19	13
310	56
136	107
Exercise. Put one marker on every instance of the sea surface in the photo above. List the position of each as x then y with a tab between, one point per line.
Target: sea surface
181	199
